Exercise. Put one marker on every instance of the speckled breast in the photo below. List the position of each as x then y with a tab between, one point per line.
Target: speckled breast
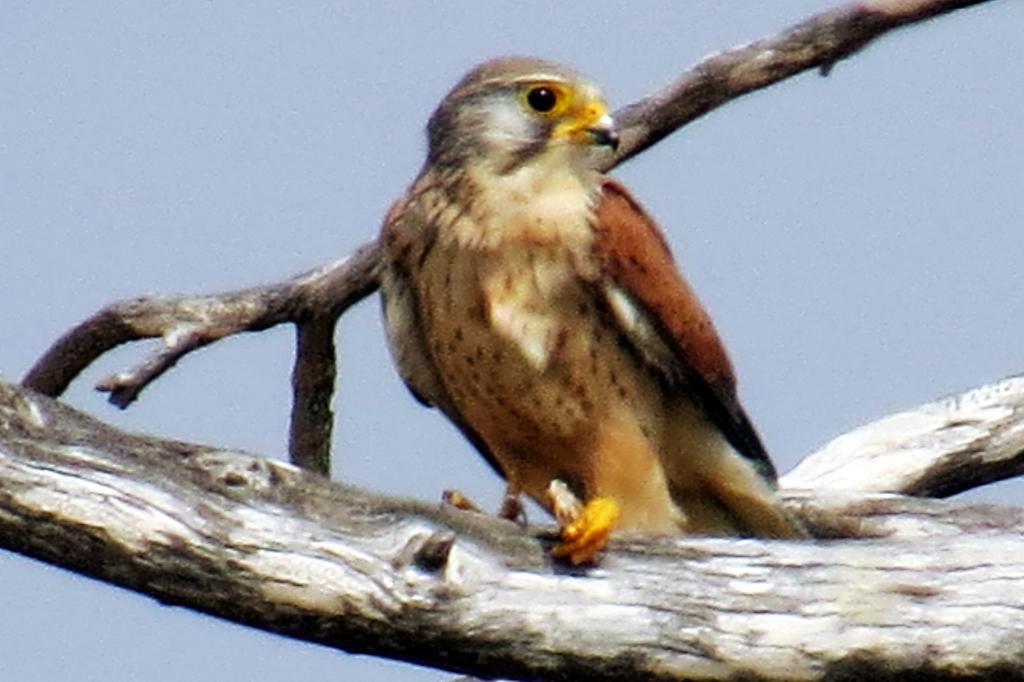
525	354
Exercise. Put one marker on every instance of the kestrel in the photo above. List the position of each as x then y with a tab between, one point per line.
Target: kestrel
534	302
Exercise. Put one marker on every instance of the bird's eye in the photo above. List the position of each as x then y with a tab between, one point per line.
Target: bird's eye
542	99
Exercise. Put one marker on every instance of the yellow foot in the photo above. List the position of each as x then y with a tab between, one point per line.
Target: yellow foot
584	536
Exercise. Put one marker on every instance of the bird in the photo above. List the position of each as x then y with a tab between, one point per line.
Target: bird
535	303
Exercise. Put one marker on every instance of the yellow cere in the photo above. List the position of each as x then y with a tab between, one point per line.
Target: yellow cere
579	117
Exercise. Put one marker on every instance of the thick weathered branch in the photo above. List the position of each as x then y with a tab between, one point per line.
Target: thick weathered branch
936	450
187	323
922	586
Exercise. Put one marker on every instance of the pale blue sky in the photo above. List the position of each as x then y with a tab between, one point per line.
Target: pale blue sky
858	239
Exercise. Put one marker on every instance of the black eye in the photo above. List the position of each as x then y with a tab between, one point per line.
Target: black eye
542	99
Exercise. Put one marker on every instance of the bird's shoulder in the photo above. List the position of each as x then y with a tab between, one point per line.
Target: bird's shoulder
663	320
638	265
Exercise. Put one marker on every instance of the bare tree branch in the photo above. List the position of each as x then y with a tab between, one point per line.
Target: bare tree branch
936	450
817	42
312	301
916	586
319	298
313	377
190	322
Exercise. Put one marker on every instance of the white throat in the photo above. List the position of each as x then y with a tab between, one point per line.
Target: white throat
548	200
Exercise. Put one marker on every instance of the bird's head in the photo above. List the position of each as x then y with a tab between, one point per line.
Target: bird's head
512	110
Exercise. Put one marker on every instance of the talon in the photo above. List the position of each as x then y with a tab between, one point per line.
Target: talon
453	498
584	537
565	506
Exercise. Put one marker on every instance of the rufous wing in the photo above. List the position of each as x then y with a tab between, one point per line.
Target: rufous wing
662	319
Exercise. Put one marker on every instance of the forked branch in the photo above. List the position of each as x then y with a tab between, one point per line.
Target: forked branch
312	301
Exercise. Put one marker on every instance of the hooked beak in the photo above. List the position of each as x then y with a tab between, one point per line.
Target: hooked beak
592	125
604	134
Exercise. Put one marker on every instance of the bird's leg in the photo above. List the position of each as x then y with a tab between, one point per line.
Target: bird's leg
511	507
584	527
